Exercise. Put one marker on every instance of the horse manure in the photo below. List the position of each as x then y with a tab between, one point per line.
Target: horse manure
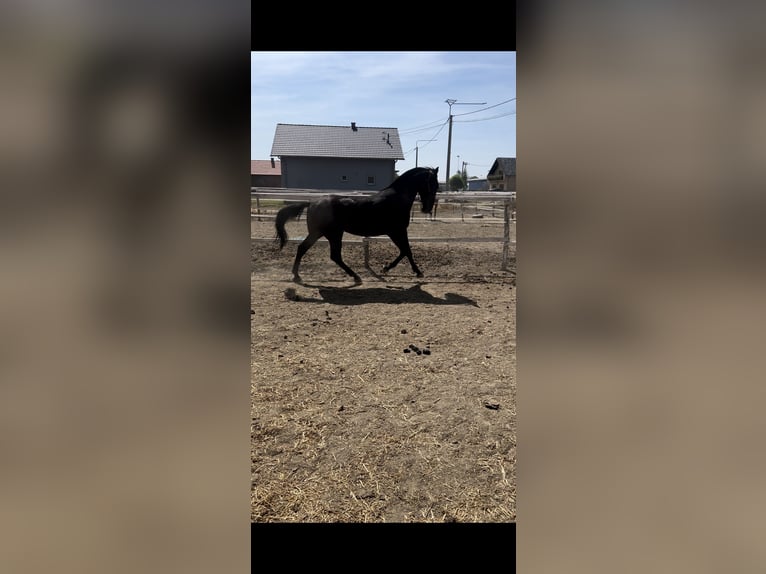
412	348
403	331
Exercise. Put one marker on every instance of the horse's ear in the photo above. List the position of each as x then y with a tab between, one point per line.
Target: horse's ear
436	170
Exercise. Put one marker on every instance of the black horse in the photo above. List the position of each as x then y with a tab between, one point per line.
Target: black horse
387	212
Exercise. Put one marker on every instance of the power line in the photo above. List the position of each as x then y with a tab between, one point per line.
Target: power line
417	142
432	124
422	125
417	132
436	134
421	128
489	118
487	108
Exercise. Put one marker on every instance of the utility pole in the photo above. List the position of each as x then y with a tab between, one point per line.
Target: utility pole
451	103
416	149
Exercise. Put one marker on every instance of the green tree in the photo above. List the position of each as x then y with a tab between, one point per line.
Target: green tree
456	182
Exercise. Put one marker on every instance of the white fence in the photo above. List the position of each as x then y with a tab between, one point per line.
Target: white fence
507	198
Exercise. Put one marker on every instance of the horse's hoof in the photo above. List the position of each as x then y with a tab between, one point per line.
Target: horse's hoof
357	280
297	280
418	275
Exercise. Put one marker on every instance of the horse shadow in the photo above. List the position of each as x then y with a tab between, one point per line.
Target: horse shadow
390	295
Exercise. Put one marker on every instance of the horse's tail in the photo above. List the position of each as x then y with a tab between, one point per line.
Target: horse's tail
288	212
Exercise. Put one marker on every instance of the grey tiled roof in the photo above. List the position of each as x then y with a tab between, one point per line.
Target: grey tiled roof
506	164
336	141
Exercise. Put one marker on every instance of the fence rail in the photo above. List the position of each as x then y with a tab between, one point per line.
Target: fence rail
506	197
307	194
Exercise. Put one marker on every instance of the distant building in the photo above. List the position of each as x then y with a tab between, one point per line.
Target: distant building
265	173
502	174
336	157
478	184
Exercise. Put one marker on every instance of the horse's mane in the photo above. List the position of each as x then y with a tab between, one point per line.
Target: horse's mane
408	177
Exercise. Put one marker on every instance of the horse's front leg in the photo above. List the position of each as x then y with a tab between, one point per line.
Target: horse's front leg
403	243
394	263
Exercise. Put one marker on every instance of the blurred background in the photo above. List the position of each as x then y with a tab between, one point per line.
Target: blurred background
124	330
641	138
124	340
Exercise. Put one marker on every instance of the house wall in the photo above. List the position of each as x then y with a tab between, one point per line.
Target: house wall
265	180
506	183
478	185
327	172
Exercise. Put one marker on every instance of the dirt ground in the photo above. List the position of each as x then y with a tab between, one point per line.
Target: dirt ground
346	425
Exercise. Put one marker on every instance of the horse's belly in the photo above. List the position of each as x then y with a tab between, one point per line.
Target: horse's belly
365	231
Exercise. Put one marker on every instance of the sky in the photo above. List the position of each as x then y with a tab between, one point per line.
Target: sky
403	90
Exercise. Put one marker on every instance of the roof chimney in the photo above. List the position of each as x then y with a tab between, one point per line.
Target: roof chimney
272	163
353	126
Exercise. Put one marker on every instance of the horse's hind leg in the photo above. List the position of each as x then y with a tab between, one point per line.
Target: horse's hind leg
302	248
335	249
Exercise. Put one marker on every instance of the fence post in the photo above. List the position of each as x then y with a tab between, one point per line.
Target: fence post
506	235
258	206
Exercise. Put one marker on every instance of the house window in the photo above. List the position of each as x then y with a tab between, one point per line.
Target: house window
344	178
370	180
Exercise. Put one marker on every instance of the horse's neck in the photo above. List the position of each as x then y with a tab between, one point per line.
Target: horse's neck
409	192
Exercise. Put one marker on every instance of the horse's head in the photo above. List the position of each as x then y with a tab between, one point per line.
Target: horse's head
428	190
421	181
